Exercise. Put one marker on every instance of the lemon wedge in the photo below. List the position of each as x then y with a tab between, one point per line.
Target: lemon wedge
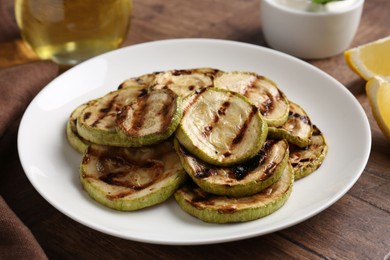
371	59
378	93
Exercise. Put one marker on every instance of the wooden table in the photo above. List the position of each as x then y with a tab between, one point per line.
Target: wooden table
355	227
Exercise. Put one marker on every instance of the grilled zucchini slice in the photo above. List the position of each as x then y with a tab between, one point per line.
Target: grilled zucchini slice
150	118
144	81
97	122
298	128
185	81
129	179
222	209
74	139
306	160
243	179
182	82
259	90
221	127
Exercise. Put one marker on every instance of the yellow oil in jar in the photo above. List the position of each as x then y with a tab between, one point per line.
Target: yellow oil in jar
70	31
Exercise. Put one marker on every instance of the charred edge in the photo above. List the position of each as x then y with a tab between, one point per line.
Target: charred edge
210	73
241	170
105	111
87	115
117	160
200	171
140	80
143	92
213	73
198	195
316	131
111	178
303	118
181	72
120	195
267	106
269	169
74	121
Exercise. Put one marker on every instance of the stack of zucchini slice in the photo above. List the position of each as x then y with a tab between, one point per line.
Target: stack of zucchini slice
226	145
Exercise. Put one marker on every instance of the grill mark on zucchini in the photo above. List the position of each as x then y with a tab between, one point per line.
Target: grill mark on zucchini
164	114
303	118
123	166
260	90
266	107
210	73
217	116
114	178
181	72
225	209
241	170
139	115
306	160
143	92
241	132
224	107
104	111
135	117
194	99
87	115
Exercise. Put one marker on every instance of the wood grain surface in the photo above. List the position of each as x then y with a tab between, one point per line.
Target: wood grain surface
355	227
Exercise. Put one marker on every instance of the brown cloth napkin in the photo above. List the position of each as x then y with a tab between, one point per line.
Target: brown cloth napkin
18	86
8	27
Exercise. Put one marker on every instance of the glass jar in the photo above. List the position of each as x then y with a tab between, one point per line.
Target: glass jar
71	31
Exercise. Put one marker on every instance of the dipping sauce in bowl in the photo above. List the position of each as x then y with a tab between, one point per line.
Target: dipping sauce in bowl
308	30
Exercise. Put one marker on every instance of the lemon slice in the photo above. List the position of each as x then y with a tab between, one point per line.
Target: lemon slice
371	59
378	92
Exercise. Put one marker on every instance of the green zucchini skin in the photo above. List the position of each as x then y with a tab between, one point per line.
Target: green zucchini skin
72	136
242	179
223	209
128	179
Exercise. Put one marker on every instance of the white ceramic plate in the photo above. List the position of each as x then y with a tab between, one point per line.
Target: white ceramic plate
52	165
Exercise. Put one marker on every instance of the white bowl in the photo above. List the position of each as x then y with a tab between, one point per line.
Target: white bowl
310	35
